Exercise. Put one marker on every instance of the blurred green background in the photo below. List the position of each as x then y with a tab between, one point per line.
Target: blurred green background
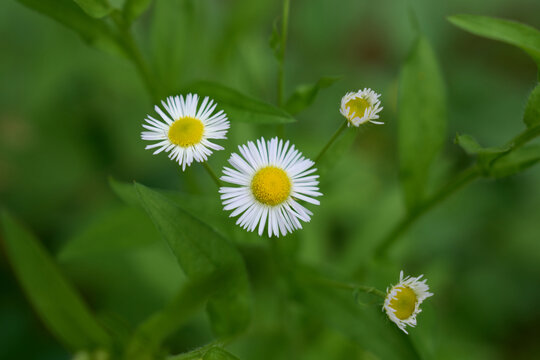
70	117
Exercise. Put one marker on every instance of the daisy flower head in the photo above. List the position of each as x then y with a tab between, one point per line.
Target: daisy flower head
185	129
361	106
403	300
270	177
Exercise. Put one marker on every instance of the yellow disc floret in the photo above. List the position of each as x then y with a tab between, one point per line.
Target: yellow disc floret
357	107
186	131
404	302
271	185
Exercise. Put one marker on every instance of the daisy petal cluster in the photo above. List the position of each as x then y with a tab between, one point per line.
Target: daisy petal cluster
185	129
271	177
361	106
403	300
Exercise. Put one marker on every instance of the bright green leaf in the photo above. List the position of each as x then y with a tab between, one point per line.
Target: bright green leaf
135	8
93	31
510	32
240	107
95	8
53	298
516	161
532	111
422	119
217	353
201	250
468	143
304	95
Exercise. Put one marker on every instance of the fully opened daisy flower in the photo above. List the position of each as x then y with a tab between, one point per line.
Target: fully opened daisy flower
185	130
403	300
271	177
361	106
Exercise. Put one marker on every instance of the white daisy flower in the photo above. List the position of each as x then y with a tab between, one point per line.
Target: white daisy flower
185	130
271	178
361	106
403	300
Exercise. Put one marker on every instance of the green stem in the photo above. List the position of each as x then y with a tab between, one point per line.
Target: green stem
212	174
458	182
331	141
524	137
280	129
135	56
284	29
353	287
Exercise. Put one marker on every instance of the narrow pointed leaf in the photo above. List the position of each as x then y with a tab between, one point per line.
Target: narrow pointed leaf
516	161
135	8
52	296
240	107
217	353
95	8
304	95
422	119
532	111
275	40
510	32
93	31
201	250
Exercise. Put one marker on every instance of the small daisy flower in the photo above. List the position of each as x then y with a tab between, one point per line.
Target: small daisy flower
403	300
271	177
361	106
185	130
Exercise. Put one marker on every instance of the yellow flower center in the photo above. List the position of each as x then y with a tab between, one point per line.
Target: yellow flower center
271	185
357	106
404	302
186	131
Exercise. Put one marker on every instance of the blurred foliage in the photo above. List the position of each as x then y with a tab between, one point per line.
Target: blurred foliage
71	117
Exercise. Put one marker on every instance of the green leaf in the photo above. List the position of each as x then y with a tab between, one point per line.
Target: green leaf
532	111
366	324
201	250
485	156
275	40
304	95
192	296
93	31
421	121
95	8
116	230
510	32
135	8
125	191
240	107
516	161
217	353
53	298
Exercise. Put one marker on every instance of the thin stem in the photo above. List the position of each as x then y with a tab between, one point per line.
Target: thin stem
284	29
212	174
331	141
135	55
458	182
353	287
